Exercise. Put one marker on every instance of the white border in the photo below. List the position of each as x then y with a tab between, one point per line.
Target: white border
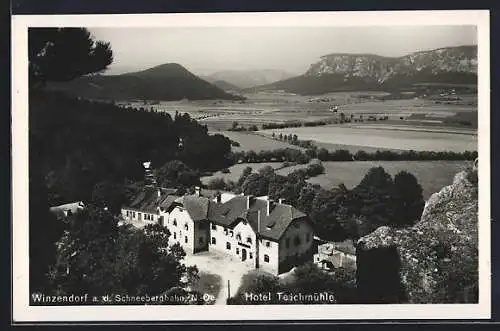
22	312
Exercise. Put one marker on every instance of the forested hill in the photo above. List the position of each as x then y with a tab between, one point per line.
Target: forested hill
75	144
165	82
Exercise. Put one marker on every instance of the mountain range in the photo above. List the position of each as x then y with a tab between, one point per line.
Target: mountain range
340	71
166	82
248	78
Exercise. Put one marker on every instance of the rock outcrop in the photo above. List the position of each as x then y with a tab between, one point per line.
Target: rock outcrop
434	261
379	68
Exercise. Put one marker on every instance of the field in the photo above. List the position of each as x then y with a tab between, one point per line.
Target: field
420	123
394	137
251	141
432	175
237	169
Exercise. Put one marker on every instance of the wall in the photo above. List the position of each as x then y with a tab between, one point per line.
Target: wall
139	216
293	254
273	252
246	232
201	236
179	231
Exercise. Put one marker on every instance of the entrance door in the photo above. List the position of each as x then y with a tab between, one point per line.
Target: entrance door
243	254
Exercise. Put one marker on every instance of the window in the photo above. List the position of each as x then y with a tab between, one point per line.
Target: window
308	237
175	235
213	241
268	244
175	222
238	237
237	250
228	245
225	231
231	233
214	227
249	240
186	227
266	258
287	242
185	239
139	216
250	256
296	241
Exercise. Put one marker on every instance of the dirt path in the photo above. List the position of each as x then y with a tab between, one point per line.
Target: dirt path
227	268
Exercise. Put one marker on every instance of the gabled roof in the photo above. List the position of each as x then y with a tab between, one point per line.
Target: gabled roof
168	202
272	226
196	206
279	219
146	201
226	214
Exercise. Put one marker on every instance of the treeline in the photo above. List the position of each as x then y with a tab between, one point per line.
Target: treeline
93	151
339	213
303	157
78	143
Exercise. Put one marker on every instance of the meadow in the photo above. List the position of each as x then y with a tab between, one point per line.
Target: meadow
251	141
384	137
236	170
432	175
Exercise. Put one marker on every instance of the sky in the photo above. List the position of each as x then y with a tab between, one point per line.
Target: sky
205	50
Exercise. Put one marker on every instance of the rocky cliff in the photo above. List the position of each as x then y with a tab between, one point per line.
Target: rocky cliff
435	261
444	60
364	72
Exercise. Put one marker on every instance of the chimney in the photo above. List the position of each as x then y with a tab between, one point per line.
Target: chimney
197	191
219	197
281	201
258	221
268	207
159	193
248	202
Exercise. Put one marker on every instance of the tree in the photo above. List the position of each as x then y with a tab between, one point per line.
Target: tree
109	194
97	257
176	173
44	231
63	54
217	184
255	184
409	199
246	172
373	198
306	198
323	154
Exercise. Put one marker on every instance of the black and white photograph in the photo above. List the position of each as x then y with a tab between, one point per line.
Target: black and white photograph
315	165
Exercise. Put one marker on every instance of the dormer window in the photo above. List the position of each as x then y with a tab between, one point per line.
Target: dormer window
268	243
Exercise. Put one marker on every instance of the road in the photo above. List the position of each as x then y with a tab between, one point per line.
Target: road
226	267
